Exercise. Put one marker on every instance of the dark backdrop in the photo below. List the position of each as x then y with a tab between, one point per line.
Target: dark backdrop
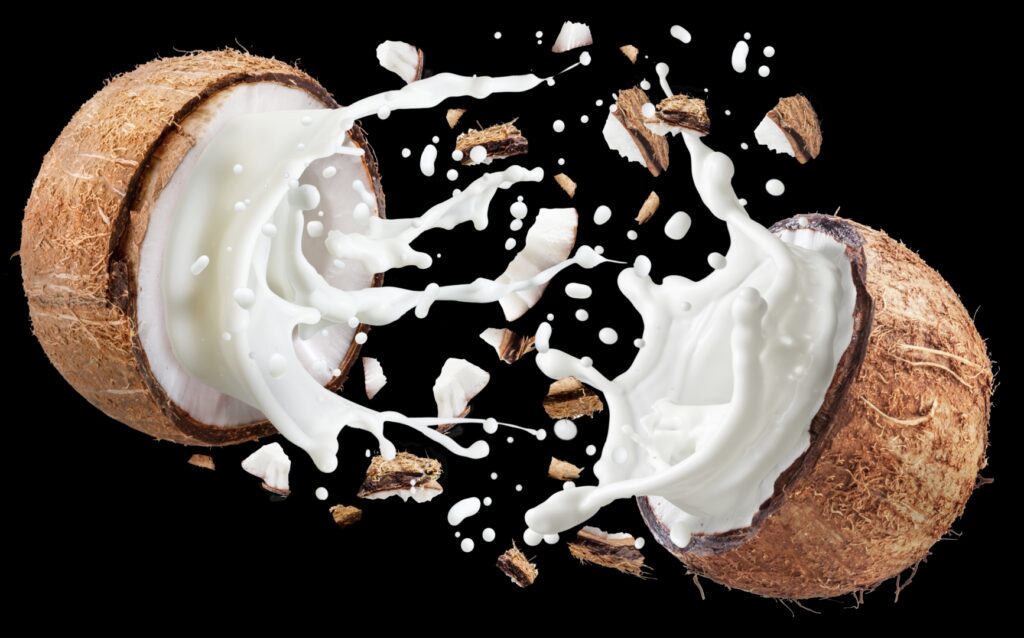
907	111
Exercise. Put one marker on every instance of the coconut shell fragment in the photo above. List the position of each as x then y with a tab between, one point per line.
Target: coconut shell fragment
514	564
500	141
406	476
626	132
796	120
453	116
631	52
895	449
204	461
346	515
563	470
648	209
568	398
684	112
510	346
614	551
566	183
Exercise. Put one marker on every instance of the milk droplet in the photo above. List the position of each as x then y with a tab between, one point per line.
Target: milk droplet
551	539
746	36
578	291
199	265
510	440
716	261
406	152
678	225
558	126
539	34
582	315
515	225
427	158
497	35
639	543
585	58
510	243
494	476
645	85
305	197
639	343
467	545
531	537
384	113
551	317
315	229
679	33
742	201
739	56
487	535
602	215
608	336
763	70
591	450
565	429
452	175
680	535
568	485
457	155
631	235
541	435
368	454
435	139
728	112
237	169
244	297
490	427
744	146
775	187
769	51
599	103
360	338
648	110
277	365
518	210
561	161
321	493
462	510
519	488
477	154
584	118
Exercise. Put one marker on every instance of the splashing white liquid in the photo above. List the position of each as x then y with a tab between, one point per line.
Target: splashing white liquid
462	510
264	288
739	56
662	70
719	401
679	33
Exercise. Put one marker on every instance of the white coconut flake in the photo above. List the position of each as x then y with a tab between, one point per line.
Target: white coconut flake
572	35
401	58
769	134
373	376
271	465
548	242
619	140
456	386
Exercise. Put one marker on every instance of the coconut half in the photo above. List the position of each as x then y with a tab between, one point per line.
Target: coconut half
94	231
895	448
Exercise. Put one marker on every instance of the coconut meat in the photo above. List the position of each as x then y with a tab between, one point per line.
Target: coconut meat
456	386
719	400
769	134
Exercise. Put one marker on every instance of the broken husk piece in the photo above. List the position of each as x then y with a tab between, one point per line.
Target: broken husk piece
514	564
680	112
453	116
650	206
500	141
346	515
792	127
510	346
406	476
615	551
563	470
626	132
567	184
631	52
204	461
568	399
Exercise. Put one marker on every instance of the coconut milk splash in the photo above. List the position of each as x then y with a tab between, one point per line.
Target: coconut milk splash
719	400
258	288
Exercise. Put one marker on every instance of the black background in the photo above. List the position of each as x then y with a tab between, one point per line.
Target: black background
907	108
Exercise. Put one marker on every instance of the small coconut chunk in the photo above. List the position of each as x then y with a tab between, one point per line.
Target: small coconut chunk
406	476
500	141
346	515
616	551
453	116
625	131
204	461
563	470
567	184
569	399
455	387
572	35
272	465
373	376
514	564
680	113
548	242
631	52
792	127
402	59
509	345
650	206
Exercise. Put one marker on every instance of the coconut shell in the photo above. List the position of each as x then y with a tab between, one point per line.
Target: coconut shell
895	449
88	214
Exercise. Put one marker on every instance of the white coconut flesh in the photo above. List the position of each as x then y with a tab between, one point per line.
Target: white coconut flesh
769	134
320	351
548	242
620	140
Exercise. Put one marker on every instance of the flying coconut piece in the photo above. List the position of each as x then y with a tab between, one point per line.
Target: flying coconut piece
406	476
548	242
572	35
630	51
567	184
563	470
569	399
346	515
402	59
615	551
679	113
453	116
792	127
373	377
509	345
650	207
204	461
272	465
498	142
625	131
514	564
455	387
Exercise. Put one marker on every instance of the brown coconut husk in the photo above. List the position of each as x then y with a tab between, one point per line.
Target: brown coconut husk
895	449
88	214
